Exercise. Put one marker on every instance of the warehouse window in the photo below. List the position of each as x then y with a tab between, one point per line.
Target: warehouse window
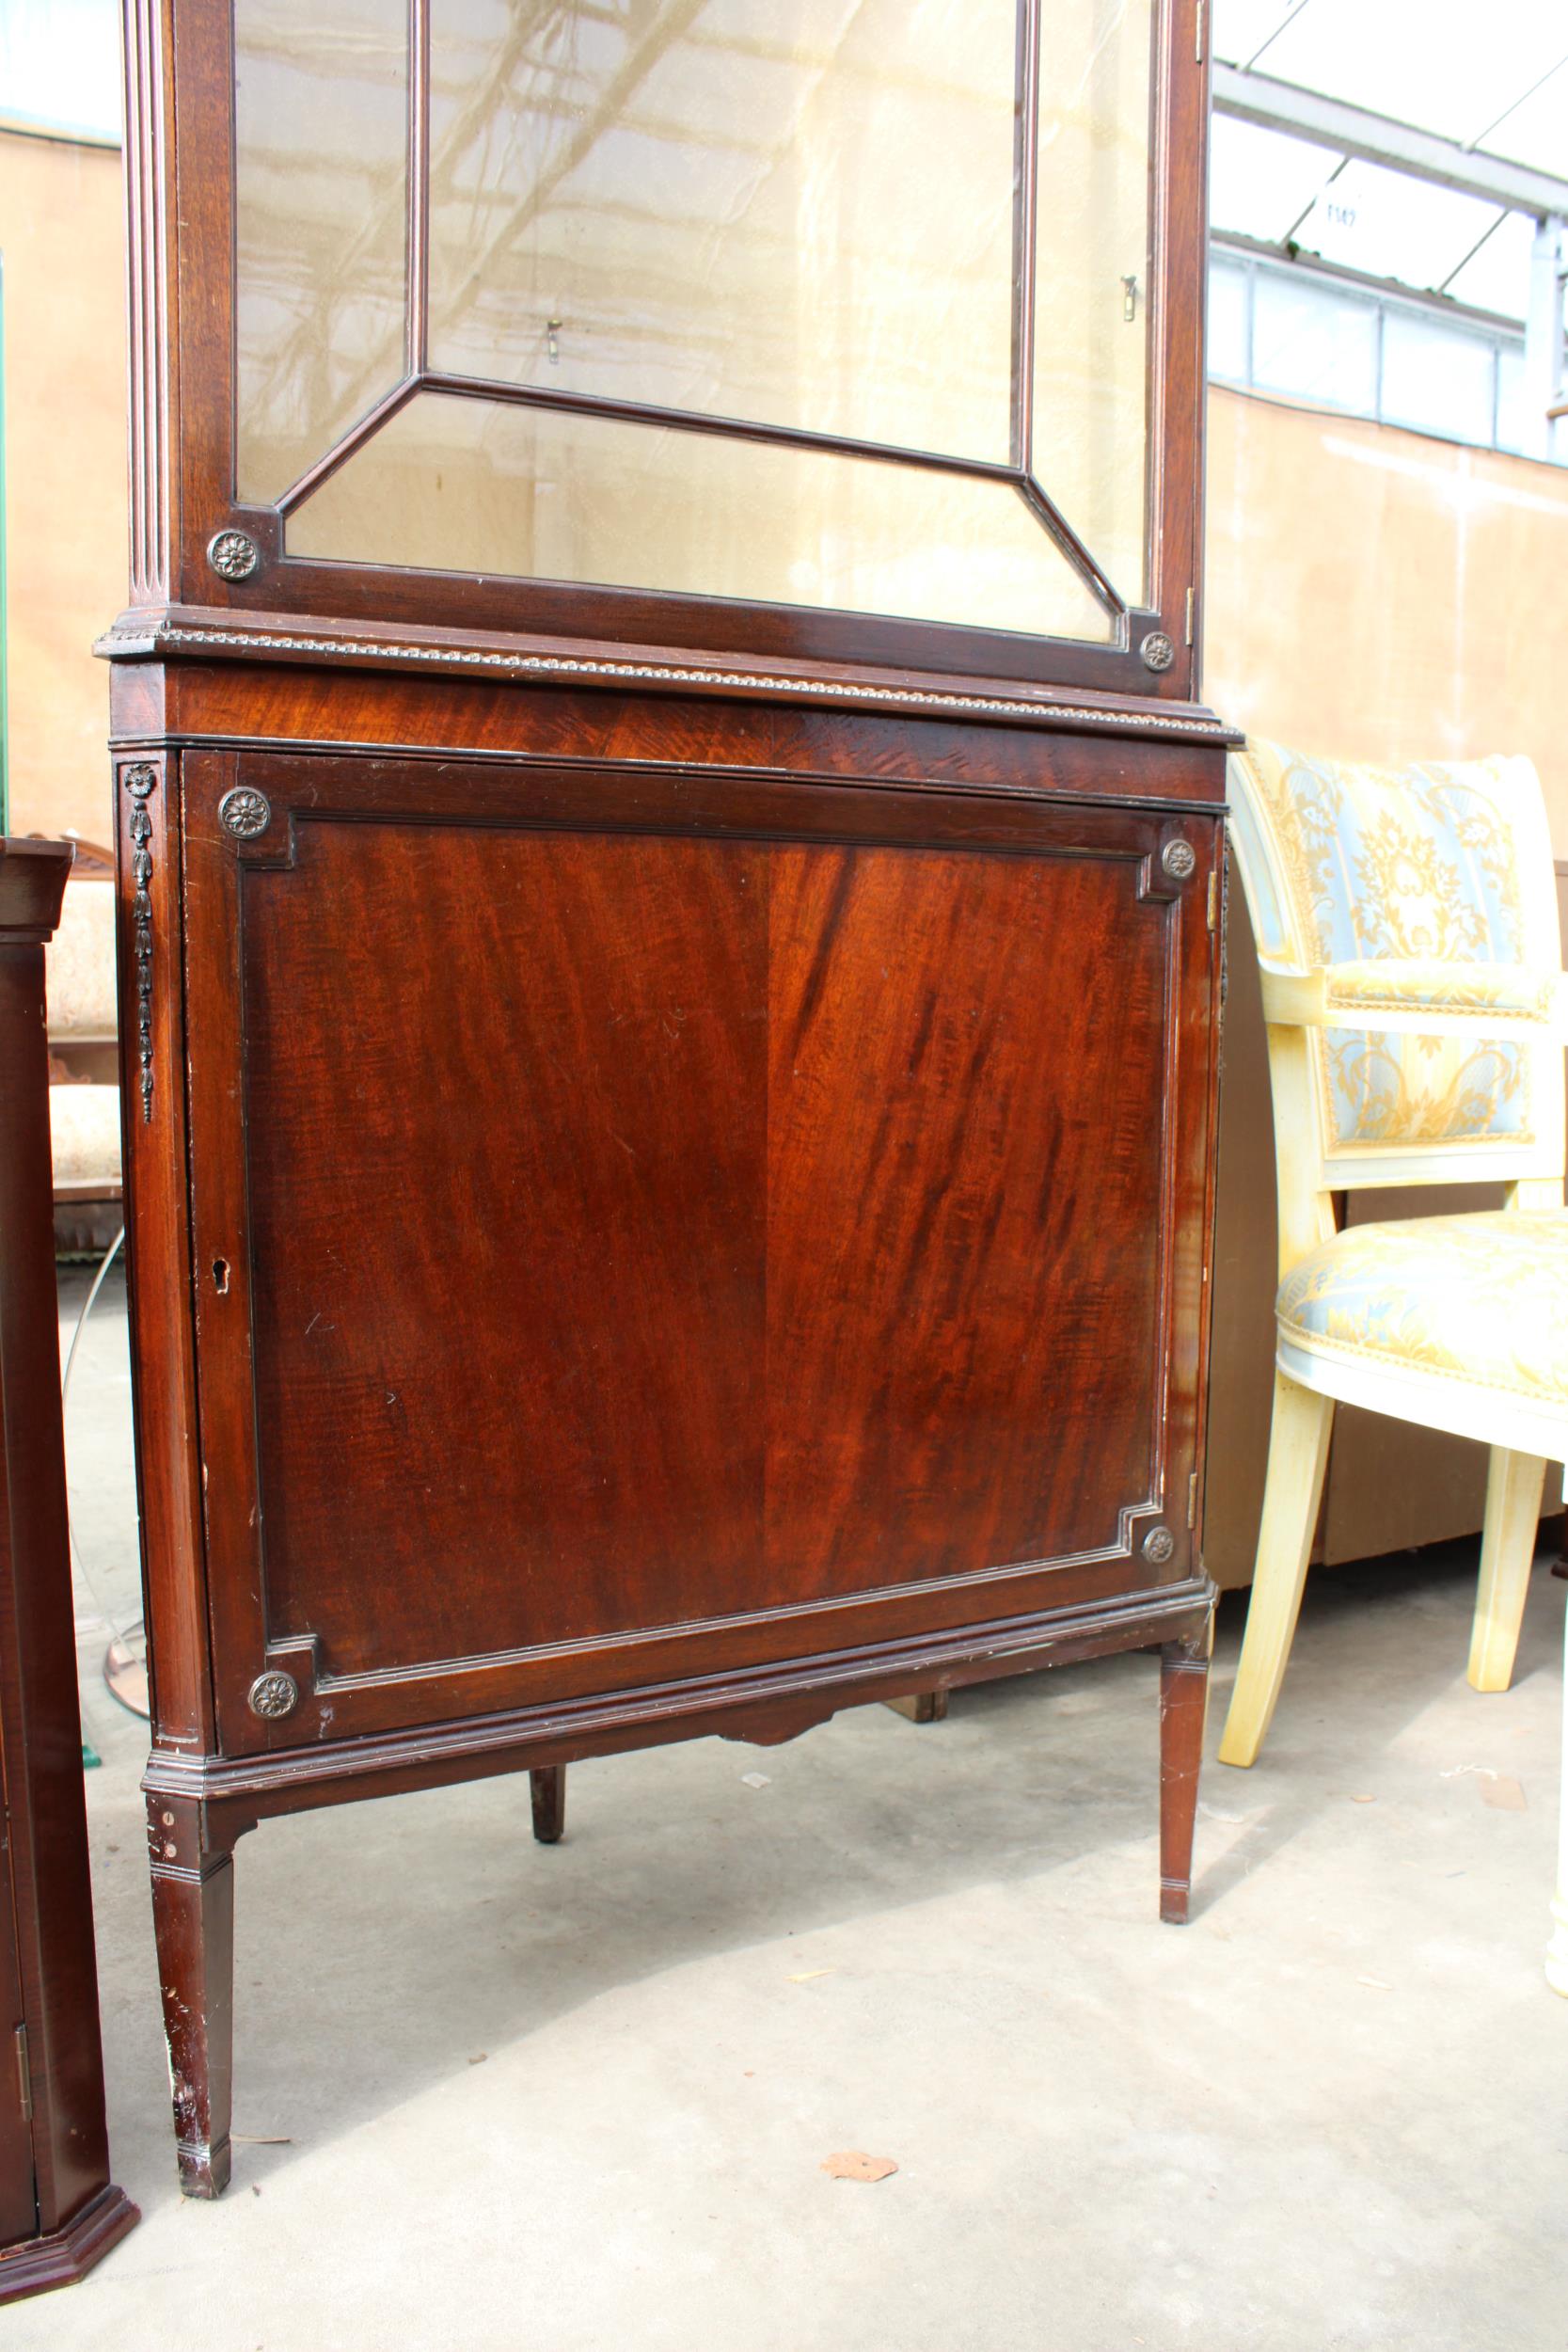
1297	333
59	69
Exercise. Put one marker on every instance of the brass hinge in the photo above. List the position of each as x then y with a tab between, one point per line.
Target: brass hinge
1192	1500
1190	602
1198	48
23	2078
1214	898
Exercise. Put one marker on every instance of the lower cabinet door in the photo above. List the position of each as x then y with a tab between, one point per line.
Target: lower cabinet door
655	1224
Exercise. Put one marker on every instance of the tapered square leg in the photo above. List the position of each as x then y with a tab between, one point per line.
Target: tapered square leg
548	1788
1183	1706
193	1921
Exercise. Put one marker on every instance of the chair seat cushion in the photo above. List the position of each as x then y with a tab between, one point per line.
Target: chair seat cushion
1482	1298
80	963
83	1123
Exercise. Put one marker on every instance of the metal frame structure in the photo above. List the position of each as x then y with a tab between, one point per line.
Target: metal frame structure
1353	131
1503	338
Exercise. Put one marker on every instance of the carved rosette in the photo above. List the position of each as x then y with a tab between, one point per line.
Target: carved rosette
141	782
273	1695
232	554
245	812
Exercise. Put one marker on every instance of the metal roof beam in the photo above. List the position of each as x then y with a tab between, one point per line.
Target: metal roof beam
1375	139
1496	324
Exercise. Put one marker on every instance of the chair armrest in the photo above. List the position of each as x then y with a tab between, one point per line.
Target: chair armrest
1433	998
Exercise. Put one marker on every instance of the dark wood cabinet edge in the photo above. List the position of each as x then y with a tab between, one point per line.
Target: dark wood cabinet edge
77	2213
210	633
374	595
762	1707
33	876
460	754
63	2256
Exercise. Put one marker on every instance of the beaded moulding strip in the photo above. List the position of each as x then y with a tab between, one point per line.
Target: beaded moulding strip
176	636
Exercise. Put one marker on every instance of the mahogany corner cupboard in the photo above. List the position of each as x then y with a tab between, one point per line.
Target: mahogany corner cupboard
670	888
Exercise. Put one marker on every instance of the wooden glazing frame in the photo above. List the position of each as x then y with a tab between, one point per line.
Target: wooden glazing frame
180	70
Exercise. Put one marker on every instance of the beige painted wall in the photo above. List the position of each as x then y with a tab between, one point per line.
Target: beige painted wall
61	237
1375	594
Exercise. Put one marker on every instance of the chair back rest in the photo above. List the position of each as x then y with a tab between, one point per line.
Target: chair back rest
1424	876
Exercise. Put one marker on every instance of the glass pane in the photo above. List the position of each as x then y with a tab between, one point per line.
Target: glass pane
1445	65
1497	276
1387	225
1315	342
474	486
59	67
1227	335
1261	181
800	215
1436	380
320	104
1092	237
1536	130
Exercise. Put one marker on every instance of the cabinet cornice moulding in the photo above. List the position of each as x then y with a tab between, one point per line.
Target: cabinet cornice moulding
207	634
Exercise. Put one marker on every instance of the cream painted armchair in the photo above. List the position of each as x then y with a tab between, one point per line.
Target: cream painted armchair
1407	934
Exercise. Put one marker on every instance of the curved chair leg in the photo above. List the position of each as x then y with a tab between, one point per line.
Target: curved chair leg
1557	1951
1298	1455
1508	1548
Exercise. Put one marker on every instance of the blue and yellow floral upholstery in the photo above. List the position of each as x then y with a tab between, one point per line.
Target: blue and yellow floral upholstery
1443	867
1480	1298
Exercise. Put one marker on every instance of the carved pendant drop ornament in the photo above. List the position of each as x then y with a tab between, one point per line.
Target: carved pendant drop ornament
140	783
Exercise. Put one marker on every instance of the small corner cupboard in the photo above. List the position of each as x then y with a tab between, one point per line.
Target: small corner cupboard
670	866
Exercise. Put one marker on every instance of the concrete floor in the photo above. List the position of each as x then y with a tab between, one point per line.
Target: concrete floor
570	2100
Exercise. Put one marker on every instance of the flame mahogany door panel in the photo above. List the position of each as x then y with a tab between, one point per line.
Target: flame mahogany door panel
648	1224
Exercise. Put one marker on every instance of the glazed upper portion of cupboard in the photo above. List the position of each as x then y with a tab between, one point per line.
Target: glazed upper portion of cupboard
861	332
